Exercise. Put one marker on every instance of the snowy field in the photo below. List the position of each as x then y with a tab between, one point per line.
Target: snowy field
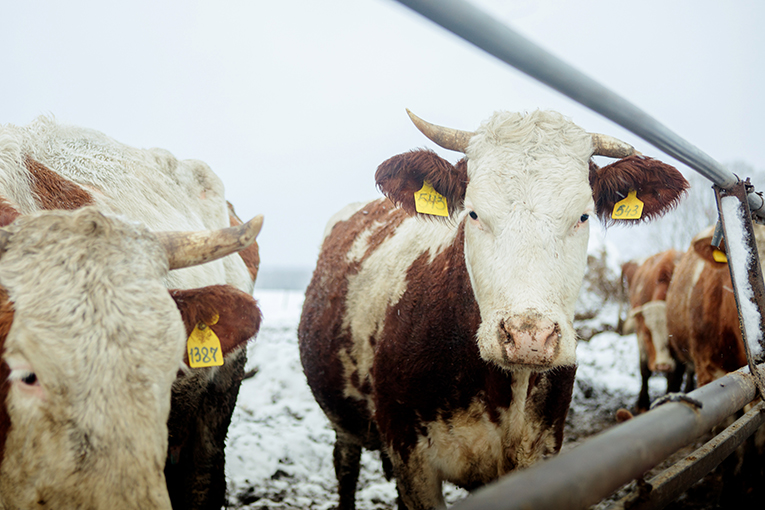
279	452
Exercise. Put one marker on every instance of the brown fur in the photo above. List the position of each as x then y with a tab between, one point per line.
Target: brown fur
648	282
702	319
403	175
239	316
659	186
251	254
53	191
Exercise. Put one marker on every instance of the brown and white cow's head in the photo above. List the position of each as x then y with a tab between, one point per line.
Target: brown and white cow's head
93	341
525	192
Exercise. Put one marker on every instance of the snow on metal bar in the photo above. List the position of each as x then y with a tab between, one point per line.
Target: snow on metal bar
479	28
740	259
618	455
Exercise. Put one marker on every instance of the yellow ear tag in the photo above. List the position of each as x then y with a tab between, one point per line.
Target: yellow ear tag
719	256
631	208
203	346
430	201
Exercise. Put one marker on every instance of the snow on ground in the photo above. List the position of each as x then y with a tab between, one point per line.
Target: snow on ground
279	452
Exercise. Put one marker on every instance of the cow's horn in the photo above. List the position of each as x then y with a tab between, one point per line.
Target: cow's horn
186	249
448	138
611	147
5	238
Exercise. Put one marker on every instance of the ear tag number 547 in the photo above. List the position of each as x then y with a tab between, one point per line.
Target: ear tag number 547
631	208
203	346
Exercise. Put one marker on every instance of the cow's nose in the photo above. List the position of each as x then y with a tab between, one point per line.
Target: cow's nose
530	339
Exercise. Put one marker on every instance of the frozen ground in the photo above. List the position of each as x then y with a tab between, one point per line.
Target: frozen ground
279	452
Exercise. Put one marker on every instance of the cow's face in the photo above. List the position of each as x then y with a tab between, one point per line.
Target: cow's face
93	349
527	206
93	342
526	195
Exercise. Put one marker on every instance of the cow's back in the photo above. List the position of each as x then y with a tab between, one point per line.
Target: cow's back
149	186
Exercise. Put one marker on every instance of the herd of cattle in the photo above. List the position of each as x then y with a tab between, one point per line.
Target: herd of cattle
683	312
447	342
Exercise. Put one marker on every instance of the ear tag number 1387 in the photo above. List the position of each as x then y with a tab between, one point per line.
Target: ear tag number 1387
430	201
203	346
631	208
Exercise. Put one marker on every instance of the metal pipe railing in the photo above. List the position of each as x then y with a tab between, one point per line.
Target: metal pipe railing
497	39
624	452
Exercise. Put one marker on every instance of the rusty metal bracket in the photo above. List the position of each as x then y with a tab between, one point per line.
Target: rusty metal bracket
745	272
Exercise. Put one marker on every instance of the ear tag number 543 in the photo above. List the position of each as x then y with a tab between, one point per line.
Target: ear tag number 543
203	346
631	208
430	201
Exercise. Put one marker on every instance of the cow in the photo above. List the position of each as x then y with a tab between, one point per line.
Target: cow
91	343
48	165
447	342
702	318
647	282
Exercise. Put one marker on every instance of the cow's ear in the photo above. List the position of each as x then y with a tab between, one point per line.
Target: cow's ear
238	313
400	177
658	185
703	247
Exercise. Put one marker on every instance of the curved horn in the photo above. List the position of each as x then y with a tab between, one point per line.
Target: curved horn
186	249
611	147
448	138
5	238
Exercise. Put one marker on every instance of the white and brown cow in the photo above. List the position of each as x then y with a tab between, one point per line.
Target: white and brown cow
647	282
448	342
47	165
91	344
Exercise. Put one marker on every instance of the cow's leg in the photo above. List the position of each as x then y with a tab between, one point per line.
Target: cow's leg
644	400
347	457
418	484
675	378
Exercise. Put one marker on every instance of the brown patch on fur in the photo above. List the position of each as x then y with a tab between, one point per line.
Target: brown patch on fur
7	213
53	191
401	176
702	319
659	186
6	319
251	254
239	315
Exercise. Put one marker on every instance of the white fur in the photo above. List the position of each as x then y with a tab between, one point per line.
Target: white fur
529	185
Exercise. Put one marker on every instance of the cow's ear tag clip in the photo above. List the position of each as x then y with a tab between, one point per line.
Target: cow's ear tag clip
203	346
430	201
719	256
631	208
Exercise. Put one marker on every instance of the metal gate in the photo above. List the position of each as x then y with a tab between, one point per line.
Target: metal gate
627	451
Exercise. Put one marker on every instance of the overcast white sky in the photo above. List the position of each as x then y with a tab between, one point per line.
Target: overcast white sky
294	103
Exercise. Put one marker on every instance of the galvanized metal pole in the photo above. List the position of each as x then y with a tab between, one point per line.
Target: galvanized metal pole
497	39
583	476
745	273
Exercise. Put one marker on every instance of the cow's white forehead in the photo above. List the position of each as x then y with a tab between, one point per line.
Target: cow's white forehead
538	160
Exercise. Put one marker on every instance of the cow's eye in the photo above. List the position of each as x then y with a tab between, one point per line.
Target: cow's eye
30	379
584	218
473	215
